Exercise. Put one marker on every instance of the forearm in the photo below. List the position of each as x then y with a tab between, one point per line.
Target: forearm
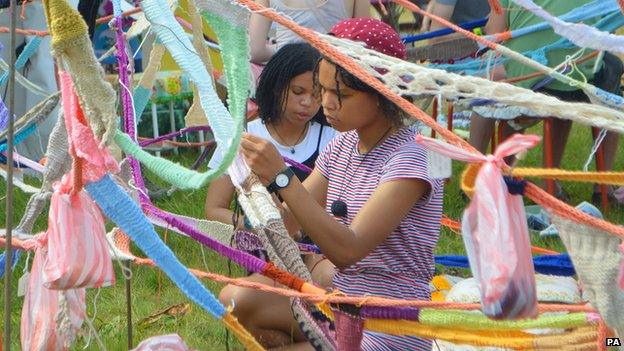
336	241
262	53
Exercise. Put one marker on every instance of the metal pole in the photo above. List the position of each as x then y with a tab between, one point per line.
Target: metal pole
128	305
9	196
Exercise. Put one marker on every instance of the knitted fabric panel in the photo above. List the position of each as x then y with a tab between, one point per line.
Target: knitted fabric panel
410	79
58	163
20	136
264	215
596	258
143	90
118	206
71	44
349	331
317	333
36	114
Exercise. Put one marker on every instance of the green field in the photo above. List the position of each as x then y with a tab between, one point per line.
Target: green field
152	291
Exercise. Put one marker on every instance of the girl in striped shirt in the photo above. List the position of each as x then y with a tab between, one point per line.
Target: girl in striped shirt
369	204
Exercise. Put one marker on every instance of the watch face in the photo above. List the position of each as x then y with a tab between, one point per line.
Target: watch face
281	180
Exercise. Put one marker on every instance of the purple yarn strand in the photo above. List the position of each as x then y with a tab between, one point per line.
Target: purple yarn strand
244	259
124	77
147	142
298	165
382	312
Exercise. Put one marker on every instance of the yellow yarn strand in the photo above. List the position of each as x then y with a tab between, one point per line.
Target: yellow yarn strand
612	178
577	336
498	338
241	333
518	340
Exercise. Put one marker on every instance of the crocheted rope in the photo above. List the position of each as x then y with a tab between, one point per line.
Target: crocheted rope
409	79
614	178
19	78
241	333
30	49
497	338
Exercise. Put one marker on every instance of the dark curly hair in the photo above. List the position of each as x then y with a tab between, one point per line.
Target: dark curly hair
272	91
391	111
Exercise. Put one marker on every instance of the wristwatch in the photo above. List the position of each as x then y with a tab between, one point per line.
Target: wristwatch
281	180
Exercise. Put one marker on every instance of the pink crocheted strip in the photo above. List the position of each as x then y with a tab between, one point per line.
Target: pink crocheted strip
97	161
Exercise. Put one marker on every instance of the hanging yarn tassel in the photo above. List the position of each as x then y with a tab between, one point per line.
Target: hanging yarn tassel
497	8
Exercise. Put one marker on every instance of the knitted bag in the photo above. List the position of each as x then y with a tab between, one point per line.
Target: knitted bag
51	319
78	253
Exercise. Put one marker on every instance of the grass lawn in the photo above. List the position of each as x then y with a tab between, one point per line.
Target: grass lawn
152	291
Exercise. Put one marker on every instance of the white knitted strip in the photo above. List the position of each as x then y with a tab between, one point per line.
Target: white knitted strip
582	35
409	79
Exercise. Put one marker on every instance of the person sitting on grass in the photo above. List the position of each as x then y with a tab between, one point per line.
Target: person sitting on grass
369	203
290	118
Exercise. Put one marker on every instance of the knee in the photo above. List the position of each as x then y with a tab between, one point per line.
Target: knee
234	296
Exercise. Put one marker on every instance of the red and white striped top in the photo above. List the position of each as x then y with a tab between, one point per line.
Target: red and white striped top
403	264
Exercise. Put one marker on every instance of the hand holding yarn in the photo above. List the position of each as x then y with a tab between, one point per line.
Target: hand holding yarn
262	157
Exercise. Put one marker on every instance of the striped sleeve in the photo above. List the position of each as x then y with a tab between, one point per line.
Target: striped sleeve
408	162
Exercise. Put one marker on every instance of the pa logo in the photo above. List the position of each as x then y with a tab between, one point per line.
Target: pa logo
613	342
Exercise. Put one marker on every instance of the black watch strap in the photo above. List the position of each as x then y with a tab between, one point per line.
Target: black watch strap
273	187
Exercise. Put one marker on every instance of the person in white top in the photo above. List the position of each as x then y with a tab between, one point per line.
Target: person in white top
319	15
290	117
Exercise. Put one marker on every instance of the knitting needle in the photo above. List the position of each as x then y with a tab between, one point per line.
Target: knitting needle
9	189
